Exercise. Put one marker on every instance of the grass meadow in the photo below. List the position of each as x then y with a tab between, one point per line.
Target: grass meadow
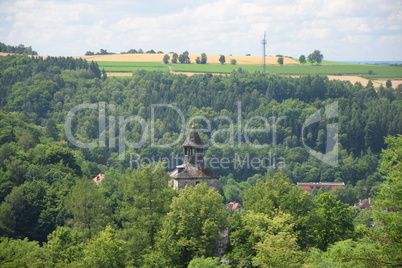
213	68
361	70
128	66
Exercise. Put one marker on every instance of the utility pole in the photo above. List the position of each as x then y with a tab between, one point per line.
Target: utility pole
263	42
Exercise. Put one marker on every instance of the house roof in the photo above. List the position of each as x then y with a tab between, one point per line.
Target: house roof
234	206
98	178
193	139
365	203
321	183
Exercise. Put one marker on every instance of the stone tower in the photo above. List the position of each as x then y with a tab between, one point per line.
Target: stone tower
193	170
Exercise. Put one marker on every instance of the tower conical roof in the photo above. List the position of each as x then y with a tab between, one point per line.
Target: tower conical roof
193	139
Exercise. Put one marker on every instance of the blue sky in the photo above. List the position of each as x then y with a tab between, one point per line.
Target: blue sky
349	30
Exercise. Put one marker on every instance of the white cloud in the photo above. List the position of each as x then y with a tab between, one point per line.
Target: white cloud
217	27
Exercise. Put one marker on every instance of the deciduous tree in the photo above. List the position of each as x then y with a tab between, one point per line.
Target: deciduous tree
277	246
192	226
145	202
174	58
388	204
388	84
334	222
203	262
203	58
87	206
222	59
184	58
63	247
166	59
315	57
268	200
103	251
302	59
20	253
381	246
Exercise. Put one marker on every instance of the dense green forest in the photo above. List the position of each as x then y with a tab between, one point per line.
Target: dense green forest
20	49
53	215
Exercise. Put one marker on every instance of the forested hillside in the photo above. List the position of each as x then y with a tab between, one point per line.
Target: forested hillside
20	49
53	215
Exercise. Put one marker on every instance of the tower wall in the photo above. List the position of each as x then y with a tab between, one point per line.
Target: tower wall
179	184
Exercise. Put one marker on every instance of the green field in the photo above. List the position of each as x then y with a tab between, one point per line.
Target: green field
361	70
327	68
213	68
334	63
123	66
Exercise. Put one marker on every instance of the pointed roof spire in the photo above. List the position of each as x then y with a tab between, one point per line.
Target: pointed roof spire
193	139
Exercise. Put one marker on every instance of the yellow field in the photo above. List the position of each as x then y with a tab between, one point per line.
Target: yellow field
5	54
213	59
363	81
352	79
395	83
119	74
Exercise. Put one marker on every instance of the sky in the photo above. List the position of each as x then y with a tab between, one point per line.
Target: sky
343	30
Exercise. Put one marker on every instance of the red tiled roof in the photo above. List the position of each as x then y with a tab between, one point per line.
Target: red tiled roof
98	178
321	183
234	206
365	203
